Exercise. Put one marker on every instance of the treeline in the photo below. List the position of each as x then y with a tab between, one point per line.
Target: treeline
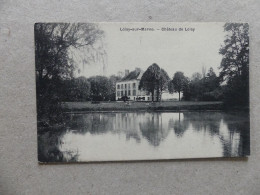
200	87
232	84
56	82
96	88
55	45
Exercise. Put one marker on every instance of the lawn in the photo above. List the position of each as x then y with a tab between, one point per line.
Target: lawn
152	106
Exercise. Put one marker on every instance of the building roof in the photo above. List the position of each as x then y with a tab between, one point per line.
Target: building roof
136	74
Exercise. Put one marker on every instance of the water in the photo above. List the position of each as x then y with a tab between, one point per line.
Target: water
145	135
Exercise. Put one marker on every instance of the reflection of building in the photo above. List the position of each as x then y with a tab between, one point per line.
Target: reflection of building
128	86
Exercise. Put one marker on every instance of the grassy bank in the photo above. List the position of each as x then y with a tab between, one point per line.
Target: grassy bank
149	106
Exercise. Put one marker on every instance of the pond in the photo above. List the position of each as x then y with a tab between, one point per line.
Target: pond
109	136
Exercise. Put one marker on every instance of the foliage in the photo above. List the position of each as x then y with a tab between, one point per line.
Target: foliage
54	44
112	87
178	83
235	64
77	89
154	79
99	88
203	88
103	88
211	81
163	82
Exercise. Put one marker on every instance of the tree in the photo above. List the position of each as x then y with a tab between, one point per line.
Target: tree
235	64
163	83
154	80
54	47
178	83
211	81
80	89
100	87
52	44
212	90
196	86
187	90
202	88
112	87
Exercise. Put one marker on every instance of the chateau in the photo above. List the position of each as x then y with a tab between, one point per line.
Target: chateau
128	86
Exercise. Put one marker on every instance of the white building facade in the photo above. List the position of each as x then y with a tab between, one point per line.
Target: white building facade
128	86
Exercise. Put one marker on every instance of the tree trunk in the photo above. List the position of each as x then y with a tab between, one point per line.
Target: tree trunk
179	96
152	95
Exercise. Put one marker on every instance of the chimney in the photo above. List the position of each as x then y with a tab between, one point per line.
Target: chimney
137	69
126	72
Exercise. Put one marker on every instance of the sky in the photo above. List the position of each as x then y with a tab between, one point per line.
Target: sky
186	51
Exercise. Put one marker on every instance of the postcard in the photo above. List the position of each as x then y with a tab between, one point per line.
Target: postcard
141	91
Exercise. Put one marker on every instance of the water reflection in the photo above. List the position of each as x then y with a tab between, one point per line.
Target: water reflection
153	128
179	126
146	135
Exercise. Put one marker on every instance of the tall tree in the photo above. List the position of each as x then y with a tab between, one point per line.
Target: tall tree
80	89
211	80
178	83
235	63
54	46
149	79
100	88
154	80
163	83
196	85
112	87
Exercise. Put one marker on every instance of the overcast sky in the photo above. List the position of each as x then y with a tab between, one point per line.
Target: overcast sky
185	51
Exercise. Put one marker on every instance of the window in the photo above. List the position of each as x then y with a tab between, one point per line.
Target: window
118	93
125	86
122	93
122	86
128	85
148	98
134	92
133	85
129	92
125	93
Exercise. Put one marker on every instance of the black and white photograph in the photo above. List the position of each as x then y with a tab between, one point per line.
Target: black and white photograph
141	91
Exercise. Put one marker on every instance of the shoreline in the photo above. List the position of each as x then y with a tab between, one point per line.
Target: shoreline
68	107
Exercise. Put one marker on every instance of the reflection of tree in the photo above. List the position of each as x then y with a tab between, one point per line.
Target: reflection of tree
237	123
152	129
204	121
50	141
179	126
94	123
48	147
127	123
133	135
